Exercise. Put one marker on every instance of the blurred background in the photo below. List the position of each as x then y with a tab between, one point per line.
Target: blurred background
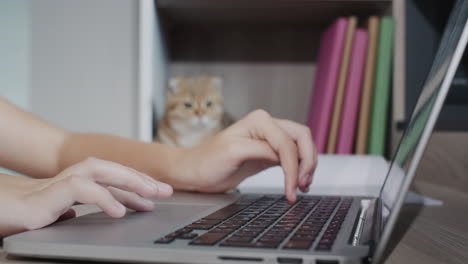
74	63
95	66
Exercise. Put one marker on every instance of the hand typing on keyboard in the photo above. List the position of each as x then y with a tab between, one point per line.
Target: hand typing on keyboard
254	143
65	173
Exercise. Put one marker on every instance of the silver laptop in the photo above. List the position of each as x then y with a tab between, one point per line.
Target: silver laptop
262	228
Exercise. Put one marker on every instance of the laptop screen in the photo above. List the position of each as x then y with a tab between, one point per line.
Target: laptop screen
425	109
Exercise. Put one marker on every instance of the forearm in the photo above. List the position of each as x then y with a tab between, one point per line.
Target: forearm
156	160
29	145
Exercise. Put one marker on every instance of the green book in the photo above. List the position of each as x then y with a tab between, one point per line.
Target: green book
381	93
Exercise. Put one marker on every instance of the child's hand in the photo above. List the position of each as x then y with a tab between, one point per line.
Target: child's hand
252	144
28	204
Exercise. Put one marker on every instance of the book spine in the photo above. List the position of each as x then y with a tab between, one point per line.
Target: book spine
352	94
321	103
366	98
335	121
381	96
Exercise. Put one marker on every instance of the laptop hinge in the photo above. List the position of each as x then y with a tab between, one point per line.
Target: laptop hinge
368	227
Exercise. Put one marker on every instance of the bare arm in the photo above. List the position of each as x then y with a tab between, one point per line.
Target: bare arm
40	150
32	146
28	144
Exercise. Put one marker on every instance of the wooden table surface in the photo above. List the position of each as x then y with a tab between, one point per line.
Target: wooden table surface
426	235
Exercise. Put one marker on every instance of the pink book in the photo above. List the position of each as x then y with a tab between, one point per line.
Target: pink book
352	97
326	78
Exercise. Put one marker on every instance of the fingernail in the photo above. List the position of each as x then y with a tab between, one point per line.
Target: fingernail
164	188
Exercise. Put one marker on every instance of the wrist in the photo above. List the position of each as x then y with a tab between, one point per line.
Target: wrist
178	168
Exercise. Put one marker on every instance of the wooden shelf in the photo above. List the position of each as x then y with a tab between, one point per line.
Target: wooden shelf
267	12
266	51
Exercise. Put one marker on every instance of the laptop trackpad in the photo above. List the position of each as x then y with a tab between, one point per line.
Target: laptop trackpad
139	228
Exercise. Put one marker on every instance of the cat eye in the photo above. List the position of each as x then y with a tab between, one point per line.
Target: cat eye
209	104
188	105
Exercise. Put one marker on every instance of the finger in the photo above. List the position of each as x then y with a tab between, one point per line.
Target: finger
307	151
164	190
262	126
132	200
112	174
143	175
57	198
88	192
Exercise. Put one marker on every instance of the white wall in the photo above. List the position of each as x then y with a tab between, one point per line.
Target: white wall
14	51
84	64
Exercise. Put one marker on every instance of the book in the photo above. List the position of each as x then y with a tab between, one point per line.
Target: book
326	76
381	96
335	121
366	94
352	94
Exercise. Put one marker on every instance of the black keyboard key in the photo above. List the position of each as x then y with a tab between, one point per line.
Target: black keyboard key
323	247
183	230
207	221
267	238
187	236
200	226
303	237
309	228
164	240
276	233
223	226
245	233
252	229
224	231
240	239
294	244
283	228
226	212
306	232
208	239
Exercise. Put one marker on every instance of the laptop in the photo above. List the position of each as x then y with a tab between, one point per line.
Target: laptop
263	228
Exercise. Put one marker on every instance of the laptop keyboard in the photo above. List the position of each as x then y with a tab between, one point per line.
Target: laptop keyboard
269	222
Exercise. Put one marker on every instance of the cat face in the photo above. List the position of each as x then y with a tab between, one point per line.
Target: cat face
195	103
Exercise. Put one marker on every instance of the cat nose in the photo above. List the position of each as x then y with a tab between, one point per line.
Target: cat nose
199	112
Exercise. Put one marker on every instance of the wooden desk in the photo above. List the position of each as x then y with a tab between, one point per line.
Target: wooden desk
424	235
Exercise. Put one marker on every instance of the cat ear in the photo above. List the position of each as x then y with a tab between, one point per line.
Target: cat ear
217	83
174	85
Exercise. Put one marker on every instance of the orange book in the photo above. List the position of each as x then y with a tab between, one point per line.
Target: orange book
366	98
340	89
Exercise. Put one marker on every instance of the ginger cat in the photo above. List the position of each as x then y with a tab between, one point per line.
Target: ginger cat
194	111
